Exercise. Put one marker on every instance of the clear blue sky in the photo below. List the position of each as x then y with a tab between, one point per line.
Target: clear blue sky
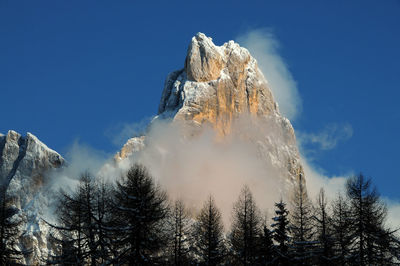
79	69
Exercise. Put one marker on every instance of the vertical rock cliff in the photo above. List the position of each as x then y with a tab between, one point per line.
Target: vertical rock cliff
217	87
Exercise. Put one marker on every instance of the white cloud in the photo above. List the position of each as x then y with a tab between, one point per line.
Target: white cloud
263	45
393	219
328	137
333	185
317	179
80	158
193	168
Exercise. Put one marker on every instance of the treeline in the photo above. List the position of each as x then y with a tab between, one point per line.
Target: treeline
133	223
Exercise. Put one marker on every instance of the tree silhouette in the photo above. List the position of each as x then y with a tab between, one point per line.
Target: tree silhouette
281	233
301	224
208	235
367	217
246	228
140	212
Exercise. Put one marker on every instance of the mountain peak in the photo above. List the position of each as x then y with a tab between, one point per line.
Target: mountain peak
222	87
204	60
217	84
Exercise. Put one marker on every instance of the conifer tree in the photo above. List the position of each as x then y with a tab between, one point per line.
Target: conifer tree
103	220
281	234
265	247
323	230
246	228
301	225
367	214
180	240
140	212
80	229
87	192
67	232
341	230
71	230
208	233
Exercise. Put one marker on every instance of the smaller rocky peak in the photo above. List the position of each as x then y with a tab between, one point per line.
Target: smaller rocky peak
234	50
9	148
132	145
34	144
38	149
204	60
12	136
16	149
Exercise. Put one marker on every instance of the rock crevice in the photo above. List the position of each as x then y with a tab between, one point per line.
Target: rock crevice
21	154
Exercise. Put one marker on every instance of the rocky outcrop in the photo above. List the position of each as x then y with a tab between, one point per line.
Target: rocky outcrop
24	162
204	61
217	86
132	145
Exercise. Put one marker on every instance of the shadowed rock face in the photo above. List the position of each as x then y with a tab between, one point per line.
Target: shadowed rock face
24	161
217	86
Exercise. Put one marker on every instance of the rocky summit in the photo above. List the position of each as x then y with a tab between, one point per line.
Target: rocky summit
217	86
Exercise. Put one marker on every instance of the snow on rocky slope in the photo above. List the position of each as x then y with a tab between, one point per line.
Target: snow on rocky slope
217	86
24	162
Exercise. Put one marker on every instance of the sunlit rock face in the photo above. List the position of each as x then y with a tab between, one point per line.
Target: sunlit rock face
217	86
132	145
24	162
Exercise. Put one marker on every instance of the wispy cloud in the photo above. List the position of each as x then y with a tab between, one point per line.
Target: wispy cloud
316	179
264	46
80	158
327	138
120	133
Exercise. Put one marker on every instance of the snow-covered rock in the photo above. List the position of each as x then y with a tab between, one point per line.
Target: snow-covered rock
217	86
24	162
132	145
